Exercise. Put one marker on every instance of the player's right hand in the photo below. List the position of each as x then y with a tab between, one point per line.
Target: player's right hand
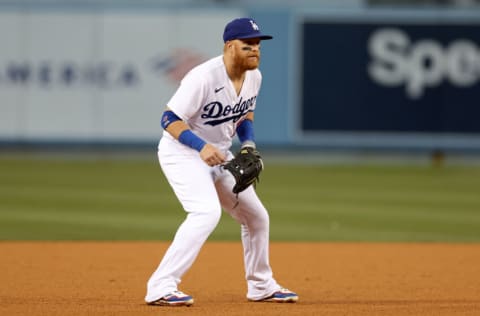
211	155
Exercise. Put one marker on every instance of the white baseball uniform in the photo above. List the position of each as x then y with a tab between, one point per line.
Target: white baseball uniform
207	101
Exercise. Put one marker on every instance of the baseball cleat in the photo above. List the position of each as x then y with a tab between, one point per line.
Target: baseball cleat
281	296
176	298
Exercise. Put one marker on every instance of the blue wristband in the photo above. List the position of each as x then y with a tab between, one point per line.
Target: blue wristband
245	131
188	138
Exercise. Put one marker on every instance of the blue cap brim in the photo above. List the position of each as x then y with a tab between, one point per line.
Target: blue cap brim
260	36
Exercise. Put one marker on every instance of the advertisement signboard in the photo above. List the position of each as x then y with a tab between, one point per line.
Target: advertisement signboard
374	82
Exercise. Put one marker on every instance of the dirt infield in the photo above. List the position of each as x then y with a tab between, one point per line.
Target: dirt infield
103	278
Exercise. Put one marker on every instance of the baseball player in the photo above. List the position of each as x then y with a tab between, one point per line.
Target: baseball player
214	102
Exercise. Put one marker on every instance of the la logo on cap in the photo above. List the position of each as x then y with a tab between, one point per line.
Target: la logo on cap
254	25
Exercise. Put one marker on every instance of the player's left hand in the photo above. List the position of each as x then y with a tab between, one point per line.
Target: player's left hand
245	167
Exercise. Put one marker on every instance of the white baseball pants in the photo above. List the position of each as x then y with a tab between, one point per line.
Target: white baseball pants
203	191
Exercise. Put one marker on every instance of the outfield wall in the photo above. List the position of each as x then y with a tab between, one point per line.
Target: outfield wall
87	75
344	77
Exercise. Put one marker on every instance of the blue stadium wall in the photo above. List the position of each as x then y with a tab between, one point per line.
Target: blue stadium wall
375	79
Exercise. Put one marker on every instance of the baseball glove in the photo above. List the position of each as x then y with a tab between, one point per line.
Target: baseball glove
245	167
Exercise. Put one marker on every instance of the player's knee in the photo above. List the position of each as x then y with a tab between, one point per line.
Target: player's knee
265	220
214	218
260	222
207	218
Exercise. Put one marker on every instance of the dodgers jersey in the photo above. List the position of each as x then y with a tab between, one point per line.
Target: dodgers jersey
207	102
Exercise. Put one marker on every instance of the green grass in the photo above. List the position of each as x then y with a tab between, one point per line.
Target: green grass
55	199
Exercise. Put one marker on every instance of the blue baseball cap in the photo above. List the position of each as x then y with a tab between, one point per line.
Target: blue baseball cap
243	28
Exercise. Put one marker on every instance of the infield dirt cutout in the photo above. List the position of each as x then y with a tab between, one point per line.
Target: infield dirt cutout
108	278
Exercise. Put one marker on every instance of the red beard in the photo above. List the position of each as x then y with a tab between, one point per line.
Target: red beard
246	62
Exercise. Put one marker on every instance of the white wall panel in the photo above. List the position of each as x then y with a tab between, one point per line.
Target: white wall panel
98	76
59	101
12	101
